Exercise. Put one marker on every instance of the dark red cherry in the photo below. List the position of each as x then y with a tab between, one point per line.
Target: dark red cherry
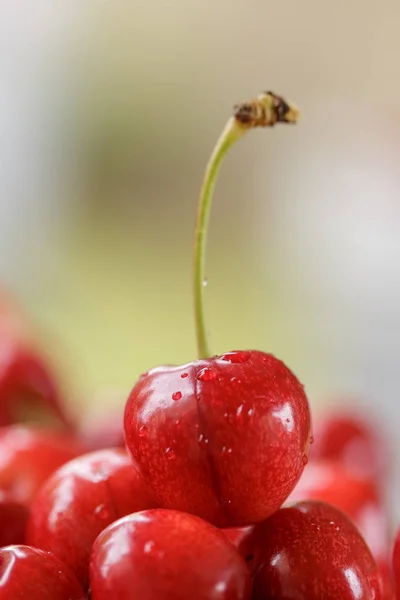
13	520
248	542
29	573
225	438
166	555
313	551
358	497
29	455
80	500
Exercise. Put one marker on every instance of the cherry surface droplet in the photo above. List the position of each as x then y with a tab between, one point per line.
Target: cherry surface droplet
239	356
184	375
206	374
170	453
142	431
176	395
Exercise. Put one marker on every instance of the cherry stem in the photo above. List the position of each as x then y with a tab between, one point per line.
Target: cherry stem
266	110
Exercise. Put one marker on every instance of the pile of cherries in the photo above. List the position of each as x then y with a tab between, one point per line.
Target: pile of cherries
207	500
197	492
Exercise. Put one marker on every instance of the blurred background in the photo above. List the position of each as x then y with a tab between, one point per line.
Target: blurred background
108	112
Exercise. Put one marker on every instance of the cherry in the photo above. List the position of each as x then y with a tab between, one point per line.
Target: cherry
31	573
313	551
225	438
26	378
166	555
80	500
353	441
396	563
13	520
29	455
358	497
248	542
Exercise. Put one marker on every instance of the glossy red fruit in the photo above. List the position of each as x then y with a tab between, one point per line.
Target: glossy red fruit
396	563
28	456
313	551
13	520
28	573
358	497
80	500
26	378
225	438
353	441
166	555
249	543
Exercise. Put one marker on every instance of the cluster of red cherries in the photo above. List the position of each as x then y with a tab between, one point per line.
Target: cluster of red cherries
210	487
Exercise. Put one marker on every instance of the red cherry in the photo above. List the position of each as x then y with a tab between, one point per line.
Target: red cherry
29	455
248	542
166	555
80	500
358	497
352	441
26	378
13	521
396	563
30	573
313	551
234	445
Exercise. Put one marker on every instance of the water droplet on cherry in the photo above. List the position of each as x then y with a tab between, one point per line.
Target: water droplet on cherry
239	410
236	357
203	441
101	511
170	453
176	396
148	547
206	374
142	431
250	412
184	375
311	439
305	459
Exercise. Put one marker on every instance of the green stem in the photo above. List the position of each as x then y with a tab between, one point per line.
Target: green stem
264	111
232	133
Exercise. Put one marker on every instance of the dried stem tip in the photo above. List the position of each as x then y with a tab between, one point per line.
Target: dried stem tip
264	111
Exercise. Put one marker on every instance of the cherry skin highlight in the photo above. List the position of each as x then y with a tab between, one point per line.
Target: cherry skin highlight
166	555
224	438
80	500
313	551
29	455
27	572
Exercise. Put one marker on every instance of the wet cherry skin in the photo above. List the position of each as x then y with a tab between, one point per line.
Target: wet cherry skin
80	500
29	573
313	551
13	520
166	555
224	438
29	455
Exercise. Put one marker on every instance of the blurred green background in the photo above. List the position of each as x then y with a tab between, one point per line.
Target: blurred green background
111	111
